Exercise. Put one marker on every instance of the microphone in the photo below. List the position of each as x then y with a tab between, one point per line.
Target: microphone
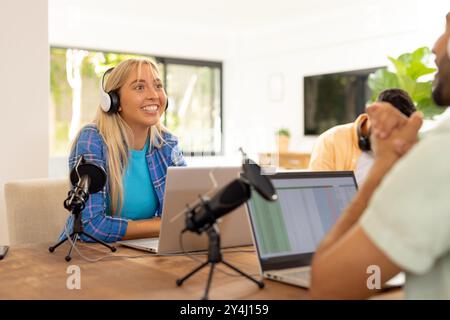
204	215
237	192
86	178
225	200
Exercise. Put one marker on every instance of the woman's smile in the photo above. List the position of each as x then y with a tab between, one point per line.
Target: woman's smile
150	109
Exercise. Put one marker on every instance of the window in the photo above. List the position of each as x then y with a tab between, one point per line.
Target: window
194	89
334	99
195	104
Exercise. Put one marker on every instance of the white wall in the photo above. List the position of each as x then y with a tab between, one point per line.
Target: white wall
95	25
24	86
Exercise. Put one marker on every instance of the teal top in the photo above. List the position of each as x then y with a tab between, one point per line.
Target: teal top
140	200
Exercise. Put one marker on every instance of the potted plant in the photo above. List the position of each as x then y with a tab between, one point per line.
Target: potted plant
407	73
283	136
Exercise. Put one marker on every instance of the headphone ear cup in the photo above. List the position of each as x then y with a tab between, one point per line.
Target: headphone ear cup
115	102
105	101
364	143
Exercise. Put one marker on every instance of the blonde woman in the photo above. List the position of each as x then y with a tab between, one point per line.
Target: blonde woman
128	140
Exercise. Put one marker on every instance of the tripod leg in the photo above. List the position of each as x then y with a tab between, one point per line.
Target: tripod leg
259	283
112	248
74	240
180	281
51	249
208	284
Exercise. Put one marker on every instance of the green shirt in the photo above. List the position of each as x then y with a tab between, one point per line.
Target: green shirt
408	217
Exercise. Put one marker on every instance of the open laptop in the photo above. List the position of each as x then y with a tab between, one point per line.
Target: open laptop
288	231
183	186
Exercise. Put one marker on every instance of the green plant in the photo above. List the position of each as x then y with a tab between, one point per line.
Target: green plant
283	132
409	68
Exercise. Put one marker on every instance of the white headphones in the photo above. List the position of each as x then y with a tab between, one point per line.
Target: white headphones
109	101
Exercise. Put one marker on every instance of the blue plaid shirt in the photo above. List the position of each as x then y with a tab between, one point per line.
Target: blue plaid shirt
95	219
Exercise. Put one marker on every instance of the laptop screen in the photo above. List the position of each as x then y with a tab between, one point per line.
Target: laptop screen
308	205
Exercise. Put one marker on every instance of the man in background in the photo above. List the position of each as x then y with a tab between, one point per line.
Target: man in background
347	147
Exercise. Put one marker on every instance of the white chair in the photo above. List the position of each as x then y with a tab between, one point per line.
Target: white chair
35	210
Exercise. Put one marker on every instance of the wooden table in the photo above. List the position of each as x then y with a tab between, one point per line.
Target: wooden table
31	272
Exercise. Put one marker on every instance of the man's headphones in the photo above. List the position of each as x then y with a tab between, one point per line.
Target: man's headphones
363	141
110	101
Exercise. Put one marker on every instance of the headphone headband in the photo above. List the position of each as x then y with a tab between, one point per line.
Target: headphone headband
104	75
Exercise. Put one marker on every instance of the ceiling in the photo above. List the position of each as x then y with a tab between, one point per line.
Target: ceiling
219	14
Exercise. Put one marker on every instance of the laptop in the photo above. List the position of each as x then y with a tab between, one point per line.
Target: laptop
183	186
287	232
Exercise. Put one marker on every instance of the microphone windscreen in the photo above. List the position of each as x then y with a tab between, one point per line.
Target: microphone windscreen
96	174
234	192
226	200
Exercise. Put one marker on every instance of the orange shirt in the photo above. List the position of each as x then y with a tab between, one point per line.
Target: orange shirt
337	148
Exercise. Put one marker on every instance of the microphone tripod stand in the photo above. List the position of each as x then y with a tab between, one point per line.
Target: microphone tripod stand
215	257
75	204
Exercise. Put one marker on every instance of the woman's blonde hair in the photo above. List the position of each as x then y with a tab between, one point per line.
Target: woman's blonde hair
117	135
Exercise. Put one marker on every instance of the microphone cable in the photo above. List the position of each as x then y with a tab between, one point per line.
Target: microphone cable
106	256
112	255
